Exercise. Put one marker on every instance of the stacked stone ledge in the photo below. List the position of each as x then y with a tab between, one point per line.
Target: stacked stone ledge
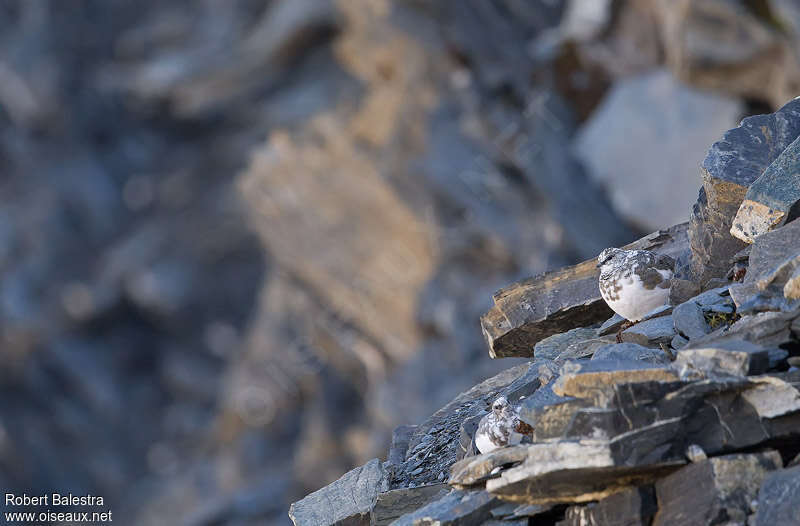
693	419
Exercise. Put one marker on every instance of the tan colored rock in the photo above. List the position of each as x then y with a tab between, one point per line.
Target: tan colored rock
771	197
596	380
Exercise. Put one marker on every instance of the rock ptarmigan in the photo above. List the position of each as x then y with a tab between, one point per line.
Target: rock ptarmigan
634	282
501	427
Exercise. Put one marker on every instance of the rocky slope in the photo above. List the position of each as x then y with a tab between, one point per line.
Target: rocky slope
241	240
693	418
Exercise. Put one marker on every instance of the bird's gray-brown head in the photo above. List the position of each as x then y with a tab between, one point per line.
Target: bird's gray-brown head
500	405
609	257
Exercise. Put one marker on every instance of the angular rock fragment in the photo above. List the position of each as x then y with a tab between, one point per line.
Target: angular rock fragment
767	329
771	198
772	397
393	504
730	167
478	469
596	379
611	325
630	507
400	439
631	351
714	491
682	290
774	259
652	332
778	498
791	290
351	498
529	311
688	320
456	508
552	346
678	342
734	358
583	349
572	471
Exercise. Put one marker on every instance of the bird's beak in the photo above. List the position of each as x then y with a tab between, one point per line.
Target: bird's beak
598	265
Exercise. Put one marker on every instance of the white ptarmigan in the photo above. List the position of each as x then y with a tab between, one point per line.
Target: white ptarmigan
634	282
500	428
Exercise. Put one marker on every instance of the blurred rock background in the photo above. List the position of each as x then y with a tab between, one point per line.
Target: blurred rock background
241	240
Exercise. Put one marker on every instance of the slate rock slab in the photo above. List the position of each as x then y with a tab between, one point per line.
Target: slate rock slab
774	257
714	491
778	498
391	505
734	358
456	508
572	471
630	507
631	351
652	332
732	164
688	320
771	198
552	346
350	499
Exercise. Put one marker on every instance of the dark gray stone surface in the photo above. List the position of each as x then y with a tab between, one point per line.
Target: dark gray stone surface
631	351
552	346
651	333
456	508
730	167
348	500
714	491
771	197
630	507
688	320
391	505
774	257
778	498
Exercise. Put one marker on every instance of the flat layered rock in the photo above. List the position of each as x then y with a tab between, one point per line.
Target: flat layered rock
771	198
393	504
734	358
730	167
552	346
631	351
349	499
652	332
597	379
630	507
714	491
568	471
555	302
456	508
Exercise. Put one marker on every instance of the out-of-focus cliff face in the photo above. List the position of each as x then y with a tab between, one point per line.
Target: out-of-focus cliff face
241	241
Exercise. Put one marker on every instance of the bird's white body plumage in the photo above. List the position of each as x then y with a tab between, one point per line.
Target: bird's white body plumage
635	301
